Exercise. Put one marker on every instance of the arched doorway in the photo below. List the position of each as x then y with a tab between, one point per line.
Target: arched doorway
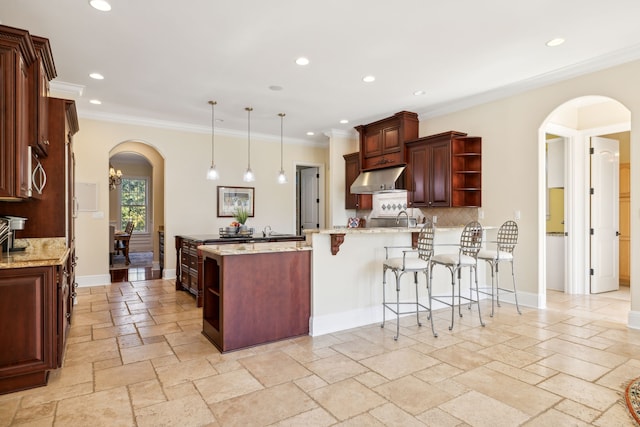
575	123
139	198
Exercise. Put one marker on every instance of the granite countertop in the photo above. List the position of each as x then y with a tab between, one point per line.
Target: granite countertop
255	248
37	253
379	230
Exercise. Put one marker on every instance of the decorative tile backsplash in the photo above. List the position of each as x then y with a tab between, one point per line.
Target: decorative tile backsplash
388	204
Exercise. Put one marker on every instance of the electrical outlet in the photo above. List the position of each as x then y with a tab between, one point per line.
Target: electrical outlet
516	215
480	214
434	219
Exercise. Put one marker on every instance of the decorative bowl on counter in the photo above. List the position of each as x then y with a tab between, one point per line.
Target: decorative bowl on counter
235	231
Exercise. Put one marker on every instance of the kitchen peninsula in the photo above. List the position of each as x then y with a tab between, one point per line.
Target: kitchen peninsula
255	293
347	285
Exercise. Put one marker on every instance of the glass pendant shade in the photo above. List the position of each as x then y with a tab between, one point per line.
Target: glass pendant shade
248	174
282	177
212	173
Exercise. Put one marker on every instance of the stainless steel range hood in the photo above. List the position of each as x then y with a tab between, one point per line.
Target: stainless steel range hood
377	181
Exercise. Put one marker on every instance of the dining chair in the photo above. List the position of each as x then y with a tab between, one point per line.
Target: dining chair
505	243
465	257
413	260
122	241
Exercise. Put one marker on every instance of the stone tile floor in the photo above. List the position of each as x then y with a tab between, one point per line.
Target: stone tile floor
135	357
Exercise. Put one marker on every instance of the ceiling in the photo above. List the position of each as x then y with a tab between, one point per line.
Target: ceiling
162	63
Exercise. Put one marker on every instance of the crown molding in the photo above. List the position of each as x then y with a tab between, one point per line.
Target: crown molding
191	128
603	62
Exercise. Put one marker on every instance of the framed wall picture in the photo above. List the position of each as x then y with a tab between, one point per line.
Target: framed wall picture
232	198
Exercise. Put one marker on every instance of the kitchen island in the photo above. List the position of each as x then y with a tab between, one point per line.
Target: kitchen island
347	273
189	263
255	293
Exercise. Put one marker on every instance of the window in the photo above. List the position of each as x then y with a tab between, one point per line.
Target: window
134	198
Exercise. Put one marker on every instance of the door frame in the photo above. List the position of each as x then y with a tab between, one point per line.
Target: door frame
321	193
577	209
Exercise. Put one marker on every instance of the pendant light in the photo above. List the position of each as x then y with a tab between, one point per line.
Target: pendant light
212	173
282	178
248	174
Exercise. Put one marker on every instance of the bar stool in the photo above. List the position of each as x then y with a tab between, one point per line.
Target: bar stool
409	264
505	244
467	256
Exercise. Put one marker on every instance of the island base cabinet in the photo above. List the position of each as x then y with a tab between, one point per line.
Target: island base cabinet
29	329
257	298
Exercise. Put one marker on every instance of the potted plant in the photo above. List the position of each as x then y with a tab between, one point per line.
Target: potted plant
241	215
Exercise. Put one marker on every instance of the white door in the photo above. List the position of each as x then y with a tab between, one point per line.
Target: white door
604	215
309	199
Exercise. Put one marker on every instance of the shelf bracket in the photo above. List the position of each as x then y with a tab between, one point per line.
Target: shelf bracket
336	241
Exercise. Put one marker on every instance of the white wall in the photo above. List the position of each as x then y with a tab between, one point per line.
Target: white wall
511	156
190	200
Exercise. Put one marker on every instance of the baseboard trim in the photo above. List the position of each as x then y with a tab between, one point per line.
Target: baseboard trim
169	273
634	319
336	322
97	280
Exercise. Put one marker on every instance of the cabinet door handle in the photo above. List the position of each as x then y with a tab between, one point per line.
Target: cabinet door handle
38	177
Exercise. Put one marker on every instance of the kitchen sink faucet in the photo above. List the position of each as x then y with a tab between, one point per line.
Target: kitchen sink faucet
398	217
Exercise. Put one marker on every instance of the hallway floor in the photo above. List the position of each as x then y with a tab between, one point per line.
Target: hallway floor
136	357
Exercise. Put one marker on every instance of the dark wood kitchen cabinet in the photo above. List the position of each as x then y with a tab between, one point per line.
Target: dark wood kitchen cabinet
382	143
17	53
34	301
427	174
189	271
352	170
466	171
52	214
188	267
256	298
43	71
444	170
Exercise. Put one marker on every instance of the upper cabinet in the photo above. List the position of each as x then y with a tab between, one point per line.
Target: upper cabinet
445	170
382	143
42	72
17	54
466	171
427	173
26	67
352	170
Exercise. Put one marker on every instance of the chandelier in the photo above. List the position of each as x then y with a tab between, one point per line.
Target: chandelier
115	177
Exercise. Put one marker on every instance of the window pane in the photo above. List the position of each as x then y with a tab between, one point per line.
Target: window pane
133	206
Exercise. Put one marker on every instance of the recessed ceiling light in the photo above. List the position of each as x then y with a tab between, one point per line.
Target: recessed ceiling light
419	93
96	76
368	79
302	61
95	101
101	5
344	121
310	133
555	42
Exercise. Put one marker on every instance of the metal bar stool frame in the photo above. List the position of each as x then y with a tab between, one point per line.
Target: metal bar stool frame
506	241
467	257
409	264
